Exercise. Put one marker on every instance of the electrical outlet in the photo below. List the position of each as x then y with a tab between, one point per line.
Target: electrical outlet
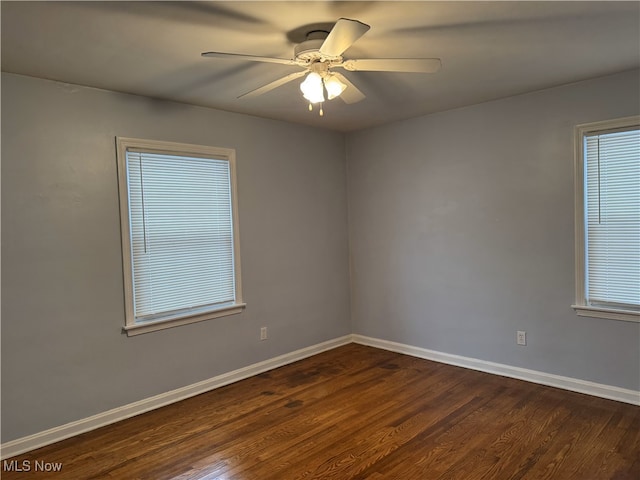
263	333
521	338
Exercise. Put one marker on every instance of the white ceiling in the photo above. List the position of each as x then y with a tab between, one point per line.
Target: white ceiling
488	50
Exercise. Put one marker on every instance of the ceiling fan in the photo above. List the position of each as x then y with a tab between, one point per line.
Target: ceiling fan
320	52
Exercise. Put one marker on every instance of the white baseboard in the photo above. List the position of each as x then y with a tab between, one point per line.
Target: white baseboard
534	376
47	437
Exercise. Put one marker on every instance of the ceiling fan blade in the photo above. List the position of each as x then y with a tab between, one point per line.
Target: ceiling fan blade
351	94
270	86
415	65
344	34
252	58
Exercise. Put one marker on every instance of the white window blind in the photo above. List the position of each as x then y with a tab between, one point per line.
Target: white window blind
182	248
612	219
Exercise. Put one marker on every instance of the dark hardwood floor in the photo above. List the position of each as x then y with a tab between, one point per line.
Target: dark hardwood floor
361	413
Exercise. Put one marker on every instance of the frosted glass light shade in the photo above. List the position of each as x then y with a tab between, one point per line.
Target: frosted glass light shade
312	88
334	87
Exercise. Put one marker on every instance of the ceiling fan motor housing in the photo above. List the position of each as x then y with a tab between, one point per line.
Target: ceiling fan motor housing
309	50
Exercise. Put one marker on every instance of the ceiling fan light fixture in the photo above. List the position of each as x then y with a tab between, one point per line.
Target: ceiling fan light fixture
334	86
312	88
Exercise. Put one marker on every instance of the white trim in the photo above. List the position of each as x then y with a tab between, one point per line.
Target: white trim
47	437
578	188
56	434
610	313
140	328
566	383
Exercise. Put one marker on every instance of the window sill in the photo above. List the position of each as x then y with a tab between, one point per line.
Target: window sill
146	327
609	313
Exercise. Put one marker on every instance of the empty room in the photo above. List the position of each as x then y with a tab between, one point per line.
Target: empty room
320	240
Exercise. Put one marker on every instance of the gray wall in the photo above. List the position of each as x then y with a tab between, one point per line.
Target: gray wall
460	230
63	354
461	233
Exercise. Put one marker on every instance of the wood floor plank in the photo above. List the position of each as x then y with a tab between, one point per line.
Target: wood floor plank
366	431
357	412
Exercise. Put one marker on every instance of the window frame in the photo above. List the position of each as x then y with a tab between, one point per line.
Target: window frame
131	327
581	305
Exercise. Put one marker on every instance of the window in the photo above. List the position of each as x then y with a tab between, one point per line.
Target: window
179	228
608	219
